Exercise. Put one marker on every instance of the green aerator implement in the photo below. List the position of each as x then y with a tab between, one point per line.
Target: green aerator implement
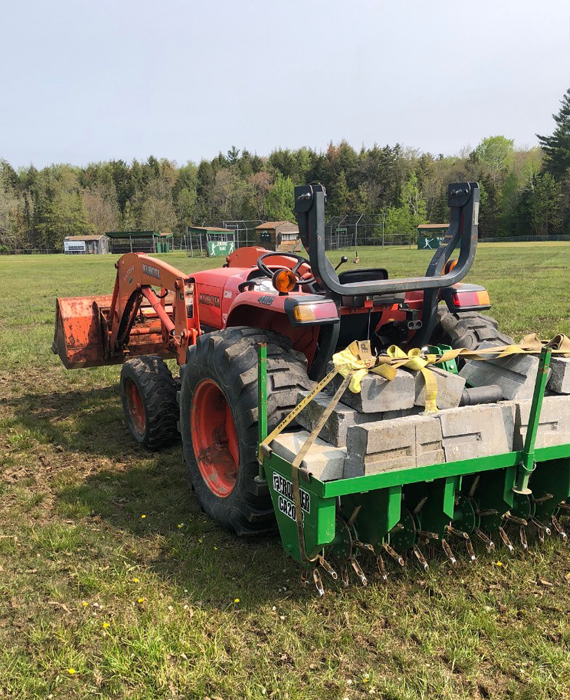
394	512
435	428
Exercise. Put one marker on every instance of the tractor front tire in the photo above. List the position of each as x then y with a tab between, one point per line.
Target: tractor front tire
469	329
148	393
218	421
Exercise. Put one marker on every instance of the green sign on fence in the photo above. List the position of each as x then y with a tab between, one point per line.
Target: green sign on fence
217	248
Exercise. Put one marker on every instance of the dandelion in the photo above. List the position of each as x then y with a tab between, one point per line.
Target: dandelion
143	516
180	526
498	563
71	671
135	580
236	600
105	625
140	600
85	604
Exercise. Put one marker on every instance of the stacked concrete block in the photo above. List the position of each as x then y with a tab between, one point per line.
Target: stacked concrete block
449	388
338	423
477	431
393	444
323	461
515	374
559	381
379	394
341	419
553	426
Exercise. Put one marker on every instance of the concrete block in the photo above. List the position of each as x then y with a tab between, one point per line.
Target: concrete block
379	395
449	388
559	381
515	375
554	423
477	431
342	417
322	460
336	427
393	444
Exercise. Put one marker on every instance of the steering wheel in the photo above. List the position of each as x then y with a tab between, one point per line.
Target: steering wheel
295	270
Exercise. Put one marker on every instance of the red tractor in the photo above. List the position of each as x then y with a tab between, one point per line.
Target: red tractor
212	322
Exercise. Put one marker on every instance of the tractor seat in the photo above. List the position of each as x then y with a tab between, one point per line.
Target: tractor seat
370	274
366	274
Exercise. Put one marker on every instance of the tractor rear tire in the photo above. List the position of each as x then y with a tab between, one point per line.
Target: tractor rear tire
148	393
218	421
467	330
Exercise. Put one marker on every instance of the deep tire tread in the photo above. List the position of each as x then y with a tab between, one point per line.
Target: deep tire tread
158	390
467	330
229	357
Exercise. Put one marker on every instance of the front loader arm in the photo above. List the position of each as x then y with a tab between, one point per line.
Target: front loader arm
135	320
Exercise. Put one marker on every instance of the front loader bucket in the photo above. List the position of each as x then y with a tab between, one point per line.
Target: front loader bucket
78	338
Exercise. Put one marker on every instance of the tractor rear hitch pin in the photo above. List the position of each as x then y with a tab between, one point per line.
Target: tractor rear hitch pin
487	541
358	571
327	567
395	556
506	540
420	557
449	553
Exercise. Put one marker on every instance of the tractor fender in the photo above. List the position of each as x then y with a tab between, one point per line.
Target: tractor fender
300	309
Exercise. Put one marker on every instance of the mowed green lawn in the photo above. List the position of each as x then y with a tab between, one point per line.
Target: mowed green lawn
114	585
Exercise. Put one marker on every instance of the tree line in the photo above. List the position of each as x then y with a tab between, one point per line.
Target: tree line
524	191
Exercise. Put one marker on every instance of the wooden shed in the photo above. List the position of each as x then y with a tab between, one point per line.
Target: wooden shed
140	241
278	235
85	245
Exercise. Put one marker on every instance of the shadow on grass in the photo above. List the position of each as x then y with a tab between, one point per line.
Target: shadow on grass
79	420
174	537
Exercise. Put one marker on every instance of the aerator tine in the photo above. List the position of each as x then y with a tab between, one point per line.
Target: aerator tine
487	541
506	541
420	557
558	528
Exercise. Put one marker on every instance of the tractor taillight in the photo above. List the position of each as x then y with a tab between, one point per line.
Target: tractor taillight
461	299
304	313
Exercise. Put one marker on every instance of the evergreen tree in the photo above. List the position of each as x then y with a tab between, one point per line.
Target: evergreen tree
556	147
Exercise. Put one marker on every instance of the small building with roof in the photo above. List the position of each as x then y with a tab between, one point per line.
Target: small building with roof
430	236
219	241
278	235
140	242
85	245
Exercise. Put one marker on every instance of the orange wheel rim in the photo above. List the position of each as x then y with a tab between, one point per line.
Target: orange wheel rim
135	406
214	438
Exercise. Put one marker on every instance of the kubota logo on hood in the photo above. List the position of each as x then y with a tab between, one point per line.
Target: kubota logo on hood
209	300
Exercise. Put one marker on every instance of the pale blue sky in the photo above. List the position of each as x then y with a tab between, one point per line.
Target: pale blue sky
88	80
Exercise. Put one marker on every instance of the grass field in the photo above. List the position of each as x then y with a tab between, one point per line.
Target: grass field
114	585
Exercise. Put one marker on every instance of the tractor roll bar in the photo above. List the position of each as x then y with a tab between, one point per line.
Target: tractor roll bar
463	199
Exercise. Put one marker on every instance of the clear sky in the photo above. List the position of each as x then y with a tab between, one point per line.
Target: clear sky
89	80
